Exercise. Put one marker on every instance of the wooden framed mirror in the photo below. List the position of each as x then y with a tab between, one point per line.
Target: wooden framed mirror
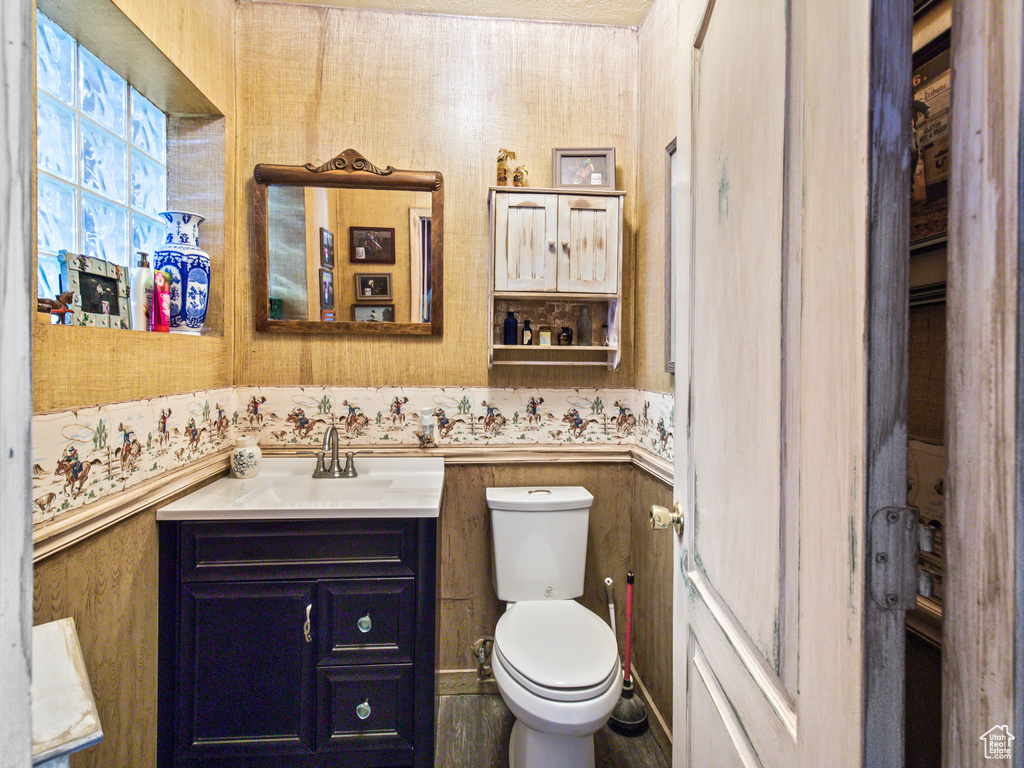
347	247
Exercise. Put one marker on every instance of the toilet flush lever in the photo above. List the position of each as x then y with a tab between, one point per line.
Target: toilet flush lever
662	517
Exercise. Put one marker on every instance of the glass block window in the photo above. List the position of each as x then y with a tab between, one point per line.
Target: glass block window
102	159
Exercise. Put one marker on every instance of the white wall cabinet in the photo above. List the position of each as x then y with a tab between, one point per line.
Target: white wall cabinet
556	241
554	251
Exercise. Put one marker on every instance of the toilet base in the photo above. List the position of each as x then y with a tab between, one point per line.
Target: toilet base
528	748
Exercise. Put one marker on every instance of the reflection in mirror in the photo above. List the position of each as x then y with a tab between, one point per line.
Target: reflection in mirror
348	247
320	239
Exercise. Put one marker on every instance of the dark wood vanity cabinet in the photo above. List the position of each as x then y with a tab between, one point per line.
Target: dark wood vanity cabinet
298	643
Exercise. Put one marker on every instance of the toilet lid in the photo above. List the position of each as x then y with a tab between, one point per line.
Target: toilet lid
557	644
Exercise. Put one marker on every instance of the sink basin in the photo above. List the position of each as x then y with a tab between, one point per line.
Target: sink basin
285	490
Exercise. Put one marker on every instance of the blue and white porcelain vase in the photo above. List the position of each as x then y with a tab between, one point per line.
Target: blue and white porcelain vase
189	267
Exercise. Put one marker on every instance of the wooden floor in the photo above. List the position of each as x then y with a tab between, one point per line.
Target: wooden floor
473	732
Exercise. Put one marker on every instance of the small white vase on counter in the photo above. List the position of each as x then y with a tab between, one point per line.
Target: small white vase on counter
245	458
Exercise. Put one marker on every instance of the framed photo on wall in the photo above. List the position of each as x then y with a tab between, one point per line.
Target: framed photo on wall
326	248
373	313
374	286
583	168
326	289
372	245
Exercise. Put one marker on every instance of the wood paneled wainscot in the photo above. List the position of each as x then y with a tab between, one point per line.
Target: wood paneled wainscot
555	253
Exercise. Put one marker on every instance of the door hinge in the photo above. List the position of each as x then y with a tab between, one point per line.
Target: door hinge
893	561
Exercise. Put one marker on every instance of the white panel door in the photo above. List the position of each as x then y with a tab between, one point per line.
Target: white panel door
526	228
770	610
588	244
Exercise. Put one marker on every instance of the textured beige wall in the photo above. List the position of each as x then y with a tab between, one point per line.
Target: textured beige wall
432	93
656	126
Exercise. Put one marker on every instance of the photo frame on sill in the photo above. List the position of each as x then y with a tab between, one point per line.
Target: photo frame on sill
100	288
583	168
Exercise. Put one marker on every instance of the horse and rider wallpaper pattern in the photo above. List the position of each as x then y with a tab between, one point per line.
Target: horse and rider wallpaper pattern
84	455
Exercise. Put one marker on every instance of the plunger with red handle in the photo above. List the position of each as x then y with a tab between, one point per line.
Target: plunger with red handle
630	715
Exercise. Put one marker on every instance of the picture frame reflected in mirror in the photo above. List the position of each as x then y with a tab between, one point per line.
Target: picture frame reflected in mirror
373	313
374	286
326	289
372	245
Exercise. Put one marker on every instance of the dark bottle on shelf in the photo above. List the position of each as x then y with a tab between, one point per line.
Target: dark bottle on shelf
511	335
565	336
527	333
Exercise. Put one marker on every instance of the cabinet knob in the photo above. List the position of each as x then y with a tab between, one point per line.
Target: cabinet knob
363	710
551	243
565	244
365	624
307	626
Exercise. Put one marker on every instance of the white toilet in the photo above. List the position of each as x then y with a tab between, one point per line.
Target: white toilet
556	663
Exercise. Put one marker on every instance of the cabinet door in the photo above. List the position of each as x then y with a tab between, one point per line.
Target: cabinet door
525	232
245	675
588	244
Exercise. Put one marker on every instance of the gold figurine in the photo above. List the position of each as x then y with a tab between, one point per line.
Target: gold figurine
504	155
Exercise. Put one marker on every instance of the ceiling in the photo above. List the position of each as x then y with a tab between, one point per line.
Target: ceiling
625	13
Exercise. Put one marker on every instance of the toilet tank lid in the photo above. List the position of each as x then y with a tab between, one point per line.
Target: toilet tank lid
539	498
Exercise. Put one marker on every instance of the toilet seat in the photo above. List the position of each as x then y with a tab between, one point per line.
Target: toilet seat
557	649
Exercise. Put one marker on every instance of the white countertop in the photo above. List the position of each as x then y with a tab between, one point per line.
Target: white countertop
285	490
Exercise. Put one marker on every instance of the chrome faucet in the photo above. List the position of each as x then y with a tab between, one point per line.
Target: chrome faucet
333	469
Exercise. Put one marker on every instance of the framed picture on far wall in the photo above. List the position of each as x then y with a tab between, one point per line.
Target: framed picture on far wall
373	313
372	245
326	289
373	287
326	248
589	168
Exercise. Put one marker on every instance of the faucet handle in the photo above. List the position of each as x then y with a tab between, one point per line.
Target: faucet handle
350	466
319	470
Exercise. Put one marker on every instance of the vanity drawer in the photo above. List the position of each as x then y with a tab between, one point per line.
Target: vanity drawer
308	549
366	621
367	709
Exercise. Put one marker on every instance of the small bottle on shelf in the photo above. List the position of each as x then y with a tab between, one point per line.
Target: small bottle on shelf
604	335
544	336
527	333
565	336
511	335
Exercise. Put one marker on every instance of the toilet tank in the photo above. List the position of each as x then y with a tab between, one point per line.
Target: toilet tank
539	541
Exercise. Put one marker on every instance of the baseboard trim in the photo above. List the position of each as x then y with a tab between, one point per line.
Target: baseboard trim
662	731
463	682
